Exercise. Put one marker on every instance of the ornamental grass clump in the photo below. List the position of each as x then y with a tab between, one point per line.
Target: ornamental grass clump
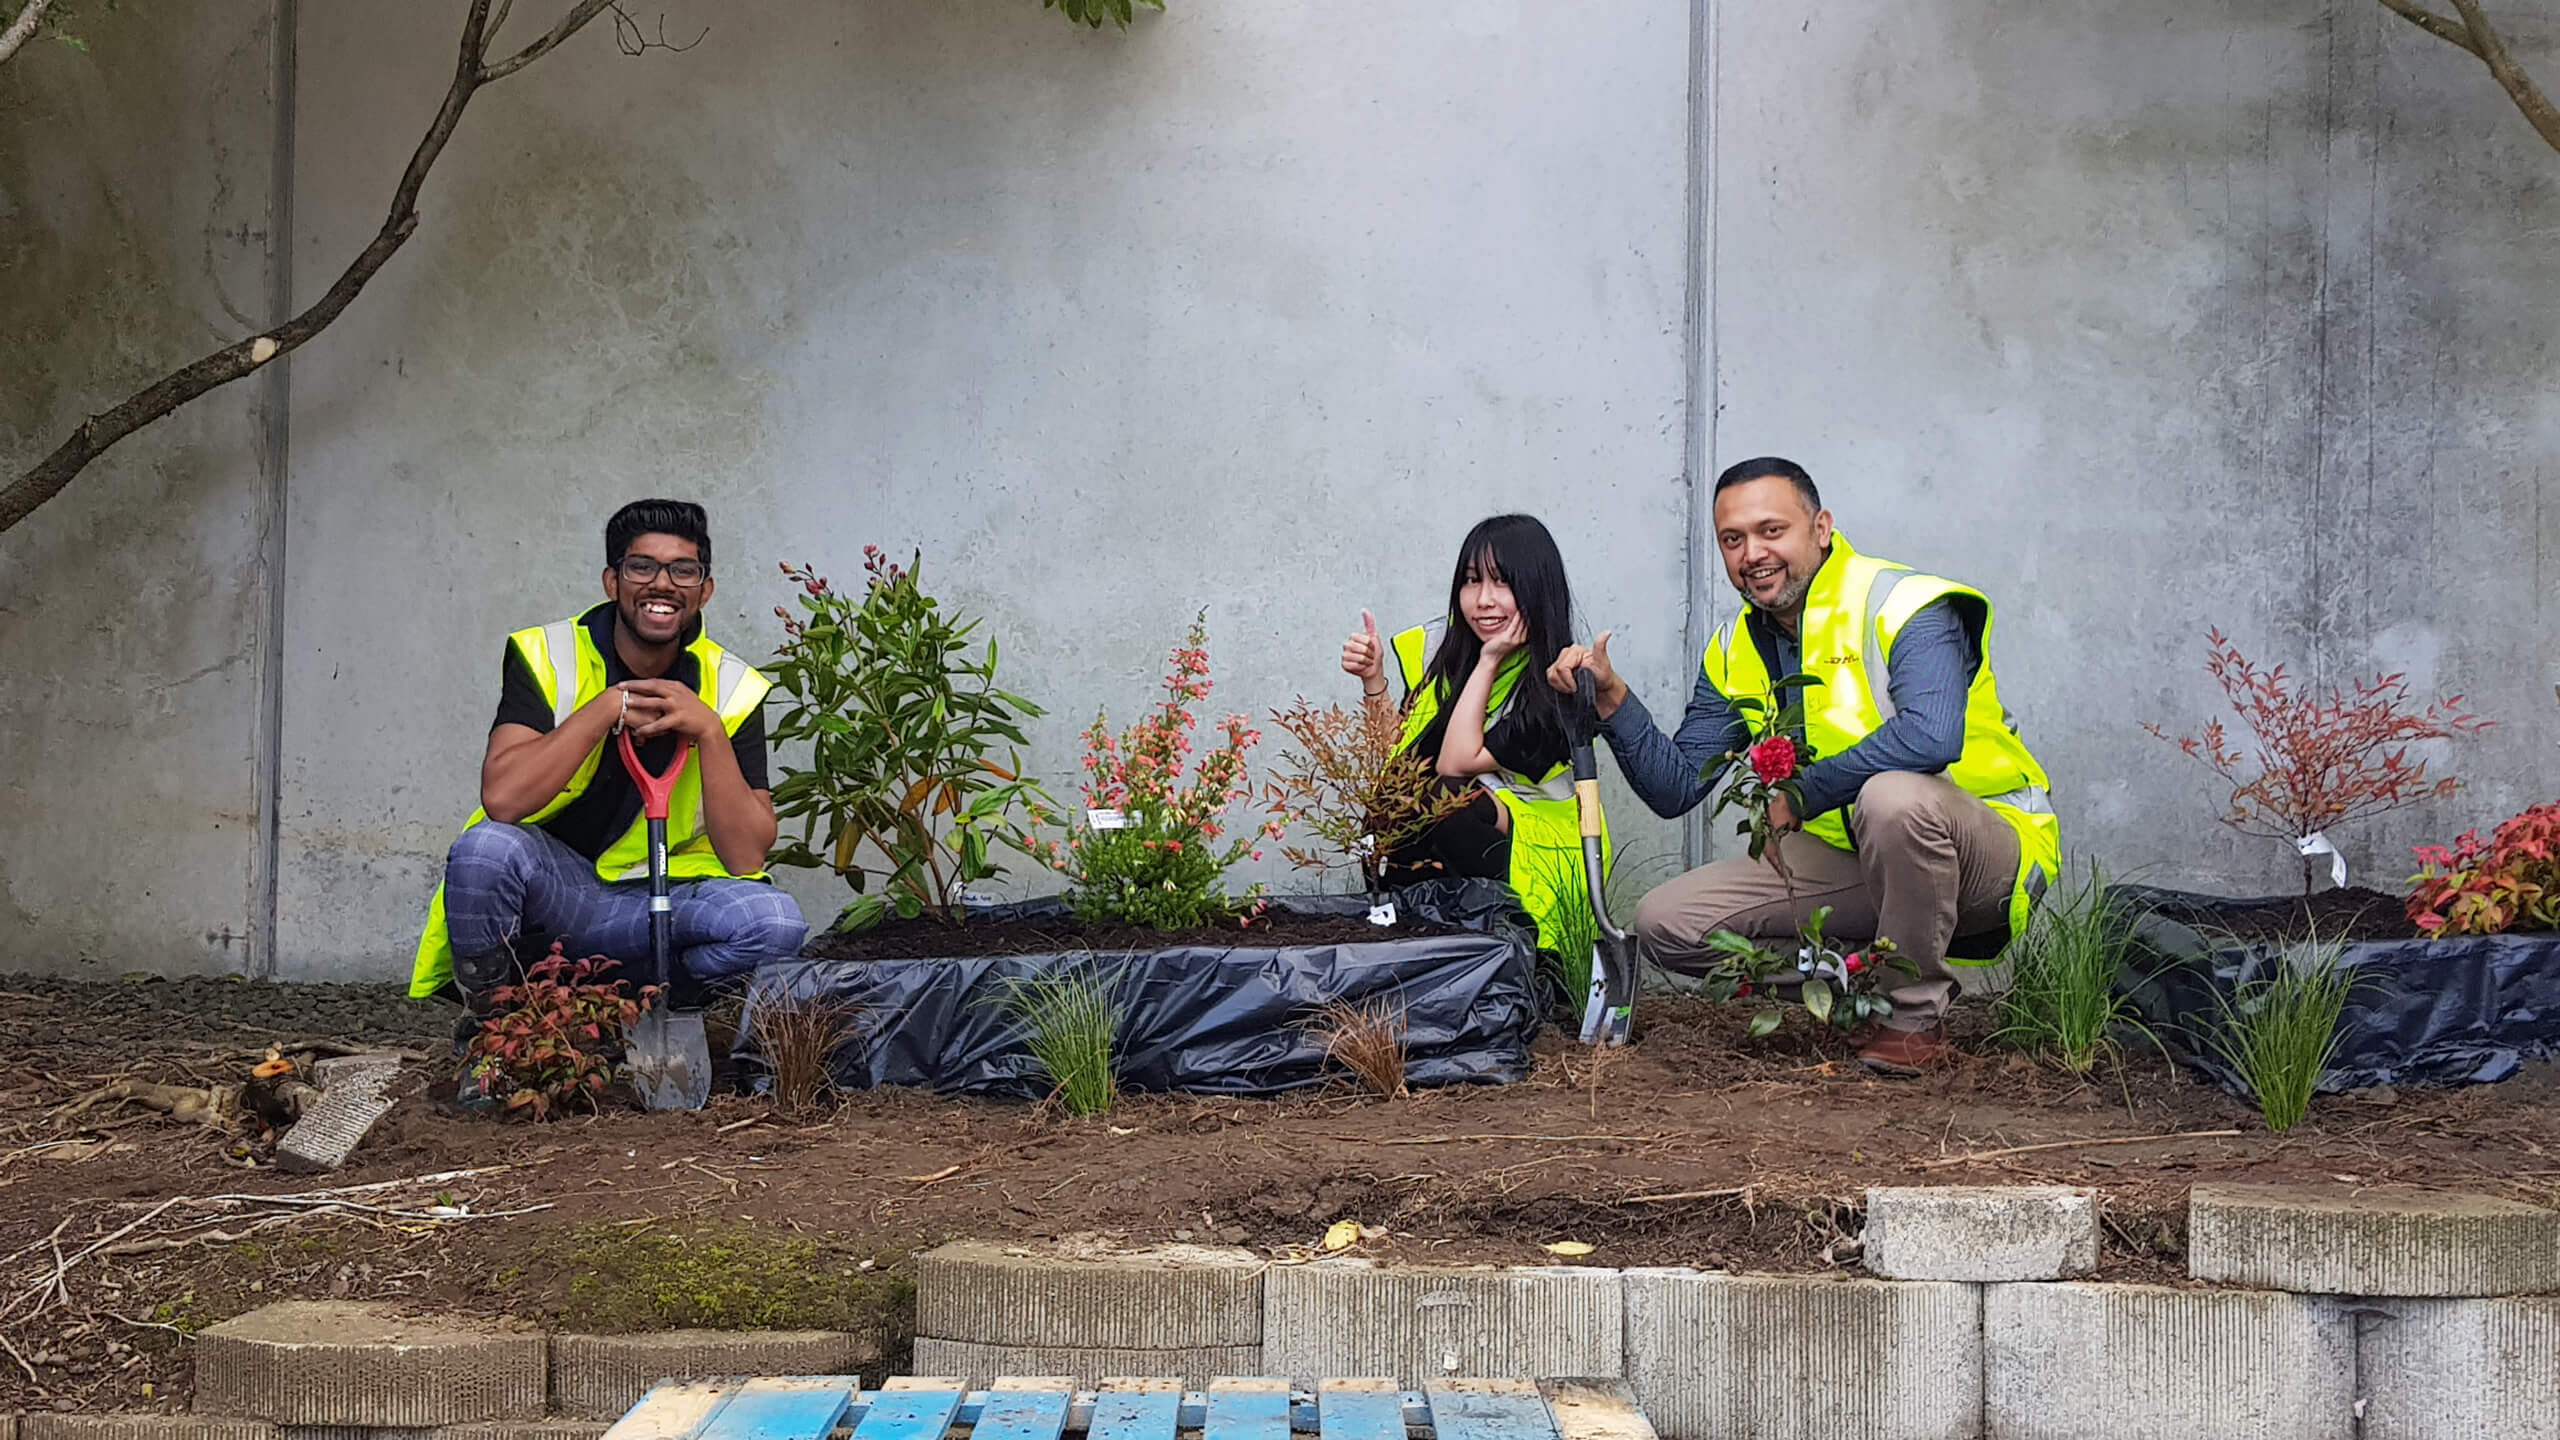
1071	1024
1154	849
799	1037
1366	1040
2063	1002
2279	1033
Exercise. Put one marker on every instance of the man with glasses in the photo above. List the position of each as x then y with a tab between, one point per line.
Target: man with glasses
559	848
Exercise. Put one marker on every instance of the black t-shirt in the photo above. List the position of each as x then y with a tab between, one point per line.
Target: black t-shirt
1520	741
592	822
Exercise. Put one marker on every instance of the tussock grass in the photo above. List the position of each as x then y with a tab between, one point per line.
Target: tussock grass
1073	1026
1367	1040
2280	1032
2062	1002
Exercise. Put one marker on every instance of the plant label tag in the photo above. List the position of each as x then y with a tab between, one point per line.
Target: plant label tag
2317	843
1109	819
1368	846
1383	914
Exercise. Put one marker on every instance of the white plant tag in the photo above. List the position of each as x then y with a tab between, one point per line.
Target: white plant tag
1383	914
2317	843
1368	846
1109	819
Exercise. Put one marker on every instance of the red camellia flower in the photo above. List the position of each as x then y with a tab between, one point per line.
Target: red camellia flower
1854	963
1773	759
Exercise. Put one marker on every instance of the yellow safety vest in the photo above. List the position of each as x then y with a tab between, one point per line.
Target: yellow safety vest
1546	832
1856	607
563	658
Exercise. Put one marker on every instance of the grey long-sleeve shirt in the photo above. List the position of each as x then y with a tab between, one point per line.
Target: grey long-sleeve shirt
1934	660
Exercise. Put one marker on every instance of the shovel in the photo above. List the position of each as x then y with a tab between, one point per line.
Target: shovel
665	1054
1610	1011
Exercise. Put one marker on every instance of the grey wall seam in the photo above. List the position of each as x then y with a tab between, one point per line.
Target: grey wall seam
1698	441
275	472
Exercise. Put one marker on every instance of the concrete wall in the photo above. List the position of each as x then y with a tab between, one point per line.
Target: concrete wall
135	186
2143	319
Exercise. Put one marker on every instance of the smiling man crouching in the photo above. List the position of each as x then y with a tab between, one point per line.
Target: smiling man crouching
559	848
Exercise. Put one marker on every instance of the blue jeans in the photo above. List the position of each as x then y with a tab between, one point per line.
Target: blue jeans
502	882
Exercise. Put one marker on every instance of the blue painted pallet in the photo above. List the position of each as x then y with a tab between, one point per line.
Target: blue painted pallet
834	1407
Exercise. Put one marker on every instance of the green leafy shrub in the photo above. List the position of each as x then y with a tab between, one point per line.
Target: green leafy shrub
2278	1033
555	1041
904	721
2062	1002
1839	988
1154	851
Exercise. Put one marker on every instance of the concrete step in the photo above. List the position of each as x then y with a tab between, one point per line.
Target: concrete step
1349	1317
981	1365
2382	1240
1182	1297
2071	1360
601	1376
335	1362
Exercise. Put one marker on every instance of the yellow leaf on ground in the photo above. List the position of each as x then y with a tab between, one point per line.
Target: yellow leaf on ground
1569	1247
1342	1235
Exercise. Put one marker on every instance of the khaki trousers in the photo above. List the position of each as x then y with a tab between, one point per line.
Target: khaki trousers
1932	863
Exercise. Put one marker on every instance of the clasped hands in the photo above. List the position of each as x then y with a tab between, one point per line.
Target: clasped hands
651	708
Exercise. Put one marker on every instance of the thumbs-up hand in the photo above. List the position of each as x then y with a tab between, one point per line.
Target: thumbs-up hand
1608	690
1365	655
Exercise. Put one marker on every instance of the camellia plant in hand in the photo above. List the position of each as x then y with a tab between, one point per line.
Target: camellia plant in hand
1770	766
1841	988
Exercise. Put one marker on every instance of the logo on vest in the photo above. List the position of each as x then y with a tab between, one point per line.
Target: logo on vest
1849	659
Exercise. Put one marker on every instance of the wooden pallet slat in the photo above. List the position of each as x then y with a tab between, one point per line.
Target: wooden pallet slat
1246	1408
1360	1409
1596	1410
1024	1408
898	1413
1489	1409
671	1411
1142	1408
783	1407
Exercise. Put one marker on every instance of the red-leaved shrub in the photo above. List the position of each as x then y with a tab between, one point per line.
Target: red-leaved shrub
552	1040
2513	881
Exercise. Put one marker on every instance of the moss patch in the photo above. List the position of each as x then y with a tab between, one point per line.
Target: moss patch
611	1279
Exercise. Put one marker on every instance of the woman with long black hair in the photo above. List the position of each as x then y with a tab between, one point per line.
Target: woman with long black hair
1475	704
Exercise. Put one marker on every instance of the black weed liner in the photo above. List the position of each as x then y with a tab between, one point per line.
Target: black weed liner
1203	1019
2457	1011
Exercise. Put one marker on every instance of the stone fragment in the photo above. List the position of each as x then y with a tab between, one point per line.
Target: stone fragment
1349	1318
333	1126
2136	1362
1981	1232
2381	1240
336	1362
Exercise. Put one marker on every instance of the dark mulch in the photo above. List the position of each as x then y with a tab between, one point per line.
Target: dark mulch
2353	913
924	939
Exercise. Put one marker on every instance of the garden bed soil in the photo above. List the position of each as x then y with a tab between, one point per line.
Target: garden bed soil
1695	1146
2351	914
927	939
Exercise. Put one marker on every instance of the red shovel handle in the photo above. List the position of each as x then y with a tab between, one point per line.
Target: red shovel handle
655	790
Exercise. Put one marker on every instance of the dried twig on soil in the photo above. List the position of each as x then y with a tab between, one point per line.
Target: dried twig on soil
1971	1156
210	1104
1472	1139
1736	1192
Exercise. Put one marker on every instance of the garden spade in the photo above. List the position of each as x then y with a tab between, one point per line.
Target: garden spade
1610	1011
664	1053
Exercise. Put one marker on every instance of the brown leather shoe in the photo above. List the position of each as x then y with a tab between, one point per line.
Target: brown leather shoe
1905	1052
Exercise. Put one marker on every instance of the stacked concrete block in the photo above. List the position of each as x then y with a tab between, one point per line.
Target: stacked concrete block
598	1377
1801	1357
42	1426
1337	1317
984	1310
2382	1240
2459	1367
339	1363
2133	1362
1981	1232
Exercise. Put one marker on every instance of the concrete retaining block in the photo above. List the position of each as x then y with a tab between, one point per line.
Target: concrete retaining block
1981	1232
1352	1318
328	1362
42	1426
602	1376
2068	1361
982	1364
2385	1240
2460	1367
1804	1357
1184	1297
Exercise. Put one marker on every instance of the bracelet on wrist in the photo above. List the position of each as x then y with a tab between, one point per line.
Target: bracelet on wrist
1368	694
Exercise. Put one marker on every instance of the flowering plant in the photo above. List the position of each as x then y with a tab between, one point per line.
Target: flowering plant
2318	761
2468	888
1155	850
1840	988
1772	763
903	722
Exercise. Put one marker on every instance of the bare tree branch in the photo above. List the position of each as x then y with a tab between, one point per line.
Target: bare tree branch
570	24
2476	36
498	18
2451	32
23	28
99	432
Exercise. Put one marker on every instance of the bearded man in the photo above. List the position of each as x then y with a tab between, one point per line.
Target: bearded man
1925	820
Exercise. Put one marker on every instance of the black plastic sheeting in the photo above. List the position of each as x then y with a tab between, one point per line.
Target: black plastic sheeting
1206	1019
2457	1011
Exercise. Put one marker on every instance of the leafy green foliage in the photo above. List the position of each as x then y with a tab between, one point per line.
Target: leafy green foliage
2062	1002
904	722
1094	12
2512	882
555	1043
1839	988
2279	1032
1071	1023
1161	861
1770	766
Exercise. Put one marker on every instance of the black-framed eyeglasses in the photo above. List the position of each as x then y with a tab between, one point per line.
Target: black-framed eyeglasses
684	574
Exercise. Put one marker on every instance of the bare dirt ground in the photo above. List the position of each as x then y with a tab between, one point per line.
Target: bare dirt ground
1694	1146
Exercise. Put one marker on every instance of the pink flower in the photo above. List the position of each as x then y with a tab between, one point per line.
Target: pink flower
1773	759
1854	963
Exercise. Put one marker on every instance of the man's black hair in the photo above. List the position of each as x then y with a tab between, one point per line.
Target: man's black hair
1771	467
681	518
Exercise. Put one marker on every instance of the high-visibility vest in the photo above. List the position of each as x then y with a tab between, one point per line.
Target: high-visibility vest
1546	831
563	659
1857	605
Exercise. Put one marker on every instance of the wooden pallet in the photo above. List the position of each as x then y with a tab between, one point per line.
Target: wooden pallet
816	1407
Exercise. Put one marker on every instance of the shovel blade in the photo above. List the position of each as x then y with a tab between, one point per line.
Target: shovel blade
668	1060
